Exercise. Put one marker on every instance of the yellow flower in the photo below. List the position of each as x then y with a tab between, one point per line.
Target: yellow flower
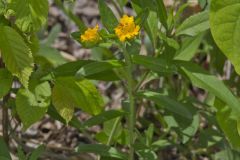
127	29
91	35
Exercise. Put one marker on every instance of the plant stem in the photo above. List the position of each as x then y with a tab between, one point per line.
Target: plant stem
130	90
5	118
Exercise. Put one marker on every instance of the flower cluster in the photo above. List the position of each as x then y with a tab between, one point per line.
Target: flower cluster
91	35
127	29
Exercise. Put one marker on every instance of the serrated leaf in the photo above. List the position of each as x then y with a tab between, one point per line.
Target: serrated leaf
31	15
225	28
80	93
6	80
32	105
16	54
194	25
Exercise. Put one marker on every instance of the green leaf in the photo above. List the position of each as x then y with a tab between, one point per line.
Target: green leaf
202	79
2	7
52	55
16	54
103	117
194	25
151	27
157	65
227	122
102	150
37	153
52	112
162	12
31	15
227	154
70	68
6	80
53	35
142	17
4	153
225	28
20	153
189	48
80	93
107	17
92	70
32	105
166	102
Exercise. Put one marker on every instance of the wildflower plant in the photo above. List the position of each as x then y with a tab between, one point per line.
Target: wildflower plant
157	57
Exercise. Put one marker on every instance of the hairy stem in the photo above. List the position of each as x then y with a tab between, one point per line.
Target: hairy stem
130	89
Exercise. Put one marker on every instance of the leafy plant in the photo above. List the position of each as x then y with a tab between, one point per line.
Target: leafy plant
154	55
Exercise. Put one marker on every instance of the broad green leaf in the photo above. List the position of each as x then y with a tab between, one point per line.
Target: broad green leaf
194	25
157	65
6	80
107	17
167	103
32	104
16	54
225	28
102	150
202	79
80	93
31	15
189	48
103	117
4	153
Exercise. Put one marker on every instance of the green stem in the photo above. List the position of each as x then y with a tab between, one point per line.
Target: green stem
130	89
